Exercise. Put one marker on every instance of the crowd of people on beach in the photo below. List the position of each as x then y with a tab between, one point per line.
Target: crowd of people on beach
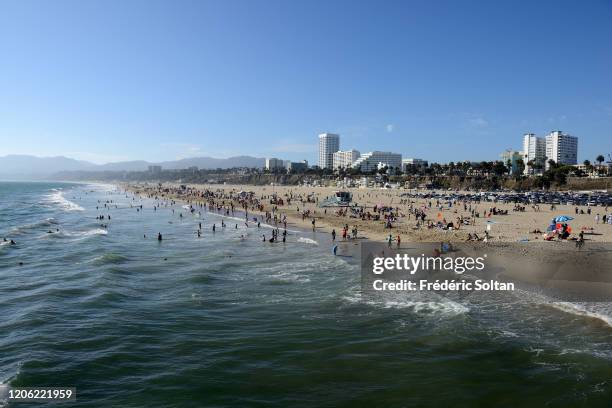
274	209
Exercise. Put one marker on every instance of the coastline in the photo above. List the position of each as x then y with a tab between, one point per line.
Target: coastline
322	237
510	227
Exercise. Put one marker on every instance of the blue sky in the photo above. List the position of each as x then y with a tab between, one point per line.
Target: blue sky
442	80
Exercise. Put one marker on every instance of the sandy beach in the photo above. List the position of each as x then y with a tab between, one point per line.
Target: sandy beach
300	205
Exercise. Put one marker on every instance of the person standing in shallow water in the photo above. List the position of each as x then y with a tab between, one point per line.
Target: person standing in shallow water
333	235
159	236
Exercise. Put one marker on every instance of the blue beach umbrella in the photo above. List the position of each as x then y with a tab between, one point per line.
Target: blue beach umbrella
563	218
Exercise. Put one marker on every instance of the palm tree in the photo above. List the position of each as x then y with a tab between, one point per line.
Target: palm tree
520	167
587	166
599	159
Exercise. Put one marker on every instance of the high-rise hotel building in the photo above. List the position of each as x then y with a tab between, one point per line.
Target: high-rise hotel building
534	151
561	148
329	143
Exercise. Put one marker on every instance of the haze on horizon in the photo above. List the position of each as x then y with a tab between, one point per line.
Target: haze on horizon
158	80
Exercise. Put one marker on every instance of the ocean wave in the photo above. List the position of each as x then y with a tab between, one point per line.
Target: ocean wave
580	310
23	228
77	234
58	199
97	231
442	306
109	258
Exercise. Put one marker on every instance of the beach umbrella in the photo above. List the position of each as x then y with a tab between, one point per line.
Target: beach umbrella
563	218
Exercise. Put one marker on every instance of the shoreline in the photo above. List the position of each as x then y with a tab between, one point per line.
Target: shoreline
321	236
499	220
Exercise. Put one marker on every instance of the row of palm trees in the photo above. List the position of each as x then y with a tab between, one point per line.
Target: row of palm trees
589	167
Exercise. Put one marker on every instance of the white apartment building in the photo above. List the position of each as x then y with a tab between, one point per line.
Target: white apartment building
274	164
345	159
561	148
534	149
329	143
369	161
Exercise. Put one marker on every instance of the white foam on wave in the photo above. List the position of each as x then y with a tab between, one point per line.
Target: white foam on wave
58	198
441	306
597	310
98	231
22	228
77	234
307	241
580	310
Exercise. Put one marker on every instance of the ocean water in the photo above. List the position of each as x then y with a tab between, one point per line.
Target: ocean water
222	321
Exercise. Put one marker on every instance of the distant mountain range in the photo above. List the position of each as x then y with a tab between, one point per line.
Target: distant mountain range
25	166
